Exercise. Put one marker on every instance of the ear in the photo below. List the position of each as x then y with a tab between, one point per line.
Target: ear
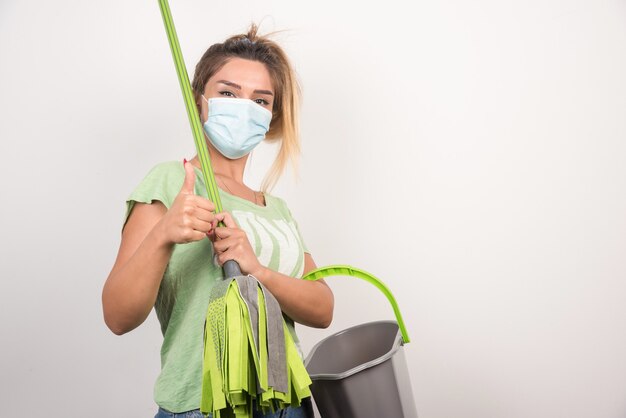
200	104
198	100
276	125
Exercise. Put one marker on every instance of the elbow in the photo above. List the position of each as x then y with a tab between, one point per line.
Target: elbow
117	323
317	318
327	315
325	318
325	323
115	317
116	327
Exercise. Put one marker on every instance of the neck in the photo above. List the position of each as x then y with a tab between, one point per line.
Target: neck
224	167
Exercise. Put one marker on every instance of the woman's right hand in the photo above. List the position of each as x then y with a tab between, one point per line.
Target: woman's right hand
190	218
148	239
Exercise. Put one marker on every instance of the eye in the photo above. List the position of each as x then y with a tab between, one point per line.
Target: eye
227	93
261	102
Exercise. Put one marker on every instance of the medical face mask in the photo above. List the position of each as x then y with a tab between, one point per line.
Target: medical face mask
236	126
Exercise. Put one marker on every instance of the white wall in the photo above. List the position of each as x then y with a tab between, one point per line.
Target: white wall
470	154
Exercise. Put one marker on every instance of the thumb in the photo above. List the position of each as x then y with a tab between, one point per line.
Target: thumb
190	179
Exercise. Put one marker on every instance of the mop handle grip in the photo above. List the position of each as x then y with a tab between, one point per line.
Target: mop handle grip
231	269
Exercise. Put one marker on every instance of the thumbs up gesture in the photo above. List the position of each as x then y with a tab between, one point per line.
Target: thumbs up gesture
190	179
191	217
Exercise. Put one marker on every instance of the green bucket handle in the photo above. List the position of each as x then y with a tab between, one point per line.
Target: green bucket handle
344	270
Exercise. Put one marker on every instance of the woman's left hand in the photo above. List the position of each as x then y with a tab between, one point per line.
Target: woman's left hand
231	243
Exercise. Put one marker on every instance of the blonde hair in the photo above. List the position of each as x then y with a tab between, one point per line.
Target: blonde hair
284	127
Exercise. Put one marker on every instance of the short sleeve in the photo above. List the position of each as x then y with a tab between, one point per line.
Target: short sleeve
161	184
289	217
306	250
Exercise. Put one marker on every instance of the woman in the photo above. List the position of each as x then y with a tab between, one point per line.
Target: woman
245	90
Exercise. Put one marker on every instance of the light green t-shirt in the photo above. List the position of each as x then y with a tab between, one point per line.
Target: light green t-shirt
183	297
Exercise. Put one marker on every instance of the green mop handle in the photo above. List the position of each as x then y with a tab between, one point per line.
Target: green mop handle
231	268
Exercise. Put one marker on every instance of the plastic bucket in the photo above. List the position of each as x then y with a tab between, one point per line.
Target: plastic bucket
361	372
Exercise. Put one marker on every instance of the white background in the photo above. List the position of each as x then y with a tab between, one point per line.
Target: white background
470	154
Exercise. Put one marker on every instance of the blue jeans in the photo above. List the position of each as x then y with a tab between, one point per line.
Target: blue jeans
300	412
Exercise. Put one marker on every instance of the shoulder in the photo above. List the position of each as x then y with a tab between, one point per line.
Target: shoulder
167	169
273	200
170	173
162	182
279	204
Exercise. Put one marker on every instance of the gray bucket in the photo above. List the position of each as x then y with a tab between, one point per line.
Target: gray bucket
361	372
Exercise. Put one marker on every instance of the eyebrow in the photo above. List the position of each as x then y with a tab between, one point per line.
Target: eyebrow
238	87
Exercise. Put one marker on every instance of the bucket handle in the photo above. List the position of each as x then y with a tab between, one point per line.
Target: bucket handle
344	270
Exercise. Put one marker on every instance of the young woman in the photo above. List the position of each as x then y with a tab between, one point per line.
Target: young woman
171	250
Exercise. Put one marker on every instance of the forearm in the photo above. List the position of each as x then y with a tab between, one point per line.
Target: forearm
307	302
310	303
131	289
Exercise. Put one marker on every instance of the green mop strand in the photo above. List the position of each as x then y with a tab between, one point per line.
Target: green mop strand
250	359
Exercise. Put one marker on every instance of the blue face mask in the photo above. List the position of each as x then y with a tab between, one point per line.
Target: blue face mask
236	126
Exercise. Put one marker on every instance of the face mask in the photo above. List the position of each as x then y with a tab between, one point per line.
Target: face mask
236	126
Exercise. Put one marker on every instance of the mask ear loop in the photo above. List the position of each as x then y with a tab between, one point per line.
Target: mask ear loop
207	109
248	167
249	162
206	136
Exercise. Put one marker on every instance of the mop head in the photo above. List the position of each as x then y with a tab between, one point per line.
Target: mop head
250	359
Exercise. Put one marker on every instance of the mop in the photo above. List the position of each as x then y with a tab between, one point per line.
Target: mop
250	359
